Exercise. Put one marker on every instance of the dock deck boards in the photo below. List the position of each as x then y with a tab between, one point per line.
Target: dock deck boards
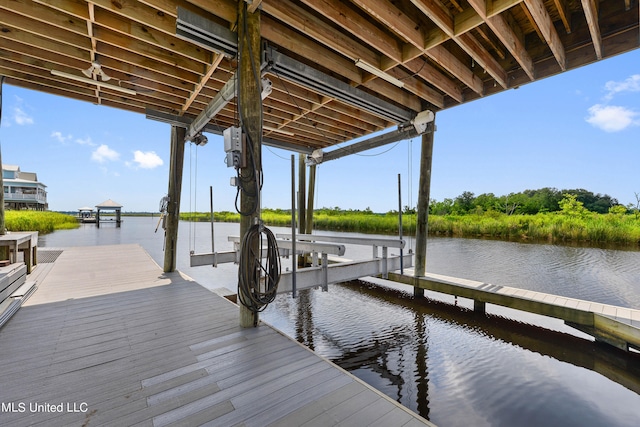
116	341
619	326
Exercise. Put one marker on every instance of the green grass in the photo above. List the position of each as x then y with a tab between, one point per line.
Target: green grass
555	227
42	222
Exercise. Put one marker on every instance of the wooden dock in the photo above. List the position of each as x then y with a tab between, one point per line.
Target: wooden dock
617	326
108	339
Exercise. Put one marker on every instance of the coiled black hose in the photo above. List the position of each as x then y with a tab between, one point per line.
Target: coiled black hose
258	282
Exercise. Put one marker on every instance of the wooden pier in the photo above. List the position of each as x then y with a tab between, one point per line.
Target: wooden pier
617	326
108	338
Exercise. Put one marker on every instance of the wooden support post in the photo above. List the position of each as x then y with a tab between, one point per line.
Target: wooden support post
250	106
302	191
310	197
176	163
424	190
3	229
479	306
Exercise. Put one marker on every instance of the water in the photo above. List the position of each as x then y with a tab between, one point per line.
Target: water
451	365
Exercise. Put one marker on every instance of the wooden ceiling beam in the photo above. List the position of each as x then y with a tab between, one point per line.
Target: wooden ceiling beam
366	31
305	100
449	62
507	36
138	12
418	44
281	100
422	68
145	63
466	41
35	41
200	85
358	26
320	31
550	36
394	19
289	39
51	86
151	52
37	67
590	8
147	34
565	14
125	25
56	34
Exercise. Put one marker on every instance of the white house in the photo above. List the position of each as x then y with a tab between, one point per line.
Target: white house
22	190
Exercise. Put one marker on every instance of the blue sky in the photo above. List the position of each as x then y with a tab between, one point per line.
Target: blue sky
580	129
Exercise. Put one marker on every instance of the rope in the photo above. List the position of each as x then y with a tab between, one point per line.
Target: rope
257	282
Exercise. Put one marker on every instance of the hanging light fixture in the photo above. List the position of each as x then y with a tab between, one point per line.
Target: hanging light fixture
96	70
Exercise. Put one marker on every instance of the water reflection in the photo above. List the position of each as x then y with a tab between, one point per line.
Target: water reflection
445	362
458	367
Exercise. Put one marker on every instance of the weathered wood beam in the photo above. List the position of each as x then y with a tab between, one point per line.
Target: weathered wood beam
466	41
418	44
253	5
590	8
357	25
56	39
291	40
452	64
550	36
394	19
565	14
198	88
250	107
176	162
501	28
320	31
422	68
367	32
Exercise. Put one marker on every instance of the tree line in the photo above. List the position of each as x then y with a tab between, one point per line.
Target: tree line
528	202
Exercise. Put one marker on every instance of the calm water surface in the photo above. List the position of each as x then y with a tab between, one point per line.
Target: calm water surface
453	366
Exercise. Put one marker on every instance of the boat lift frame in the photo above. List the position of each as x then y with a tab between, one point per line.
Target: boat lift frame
322	271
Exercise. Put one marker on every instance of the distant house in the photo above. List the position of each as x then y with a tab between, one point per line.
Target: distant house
22	190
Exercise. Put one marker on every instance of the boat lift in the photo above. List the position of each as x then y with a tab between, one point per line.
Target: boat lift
323	271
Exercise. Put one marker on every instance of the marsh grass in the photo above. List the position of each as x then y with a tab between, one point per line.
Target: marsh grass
553	227
40	221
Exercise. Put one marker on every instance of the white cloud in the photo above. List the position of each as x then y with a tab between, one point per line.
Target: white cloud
612	118
21	117
86	141
631	84
147	160
60	137
103	154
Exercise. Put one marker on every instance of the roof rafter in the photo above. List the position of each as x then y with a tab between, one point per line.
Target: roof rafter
591	13
544	24
507	36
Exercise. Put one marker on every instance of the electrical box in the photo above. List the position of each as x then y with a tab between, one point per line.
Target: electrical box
232	139
234	147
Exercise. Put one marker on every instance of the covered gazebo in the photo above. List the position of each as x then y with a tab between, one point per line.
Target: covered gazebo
109	205
85	214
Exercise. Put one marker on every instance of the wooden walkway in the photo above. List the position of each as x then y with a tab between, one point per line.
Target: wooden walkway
108	339
617	326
